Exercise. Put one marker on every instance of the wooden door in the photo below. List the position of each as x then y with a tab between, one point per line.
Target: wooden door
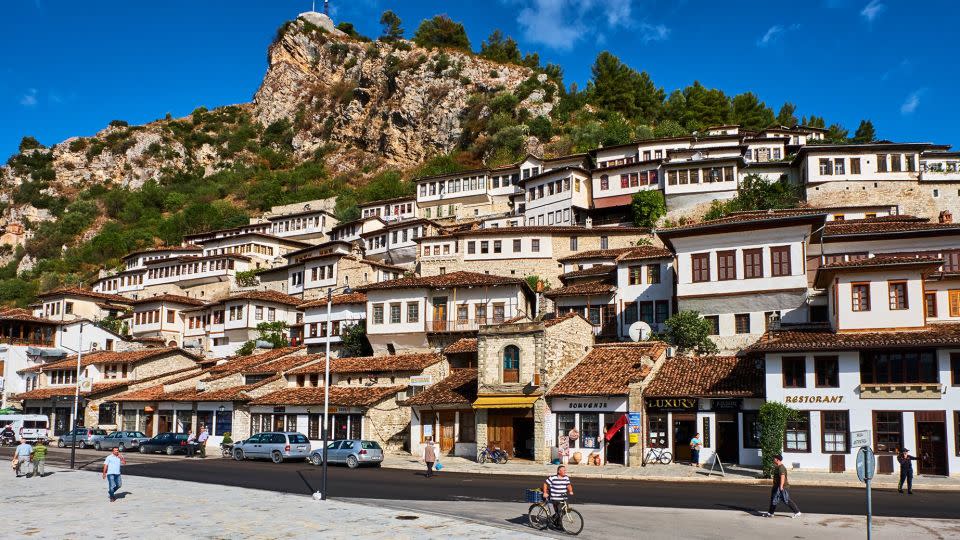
500	432
931	448
728	438
440	314
447	423
837	463
684	428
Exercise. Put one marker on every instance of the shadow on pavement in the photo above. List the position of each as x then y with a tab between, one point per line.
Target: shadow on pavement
122	494
751	511
522	520
307	482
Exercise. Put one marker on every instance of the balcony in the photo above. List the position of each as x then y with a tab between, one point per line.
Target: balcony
461	325
901	391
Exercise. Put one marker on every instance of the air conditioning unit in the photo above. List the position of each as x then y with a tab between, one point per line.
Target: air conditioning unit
671	352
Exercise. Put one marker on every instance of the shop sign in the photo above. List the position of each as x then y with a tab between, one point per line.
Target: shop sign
860	438
590	404
635	426
421	380
672	404
813	399
726	404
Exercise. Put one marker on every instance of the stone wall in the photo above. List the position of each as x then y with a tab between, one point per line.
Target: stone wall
491	341
164	364
567	343
913	198
388	423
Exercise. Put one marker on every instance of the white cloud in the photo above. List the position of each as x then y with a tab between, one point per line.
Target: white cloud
30	98
872	10
912	102
900	69
559	24
774	33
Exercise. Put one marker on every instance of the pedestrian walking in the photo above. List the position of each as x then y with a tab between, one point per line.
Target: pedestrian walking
429	455
39	458
191	445
111	472
695	446
906	470
21	457
202	441
779	492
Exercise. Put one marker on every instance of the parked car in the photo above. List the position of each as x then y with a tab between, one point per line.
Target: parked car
276	446
122	440
32	427
352	452
171	443
82	436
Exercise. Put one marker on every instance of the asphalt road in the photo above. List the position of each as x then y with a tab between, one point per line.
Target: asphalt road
396	484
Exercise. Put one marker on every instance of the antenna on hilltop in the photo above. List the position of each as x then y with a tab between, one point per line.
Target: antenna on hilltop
326	7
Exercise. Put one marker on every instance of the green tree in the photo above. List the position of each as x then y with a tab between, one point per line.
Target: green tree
750	112
354	342
669	128
786	117
704	107
773	418
273	333
756	193
113	324
836	134
689	332
392	30
441	31
617	87
865	133
348	29
648	207
501	48
815	121
29	143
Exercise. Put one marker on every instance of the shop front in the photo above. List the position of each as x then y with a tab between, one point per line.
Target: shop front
509	422
588	430
671	423
345	422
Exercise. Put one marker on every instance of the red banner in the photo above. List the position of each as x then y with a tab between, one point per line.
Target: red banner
617	426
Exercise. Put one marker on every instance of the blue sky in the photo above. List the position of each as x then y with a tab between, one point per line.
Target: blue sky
68	68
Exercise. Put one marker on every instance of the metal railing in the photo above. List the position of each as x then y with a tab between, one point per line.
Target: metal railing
462	325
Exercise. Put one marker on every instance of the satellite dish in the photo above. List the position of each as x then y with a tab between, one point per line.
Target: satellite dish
640	331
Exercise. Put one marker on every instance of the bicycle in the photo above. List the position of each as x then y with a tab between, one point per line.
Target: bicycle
494	456
658	455
541	516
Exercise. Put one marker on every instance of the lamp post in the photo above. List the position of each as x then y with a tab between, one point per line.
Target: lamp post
76	401
326	383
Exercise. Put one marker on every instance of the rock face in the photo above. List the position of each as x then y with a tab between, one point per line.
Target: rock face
379	103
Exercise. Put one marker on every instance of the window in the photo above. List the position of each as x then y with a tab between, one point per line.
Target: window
854	165
701	267
633	275
714	323
657	431
171	316
271	314
107	414
895	163
899	367
646	312
516	246
573	243
794	372
471	247
535	245
881	163
413	312
378	314
742	323
499	312
604	242
930	304
836	429
860	296
953	301
68	308
753	263
955	369
780	261
838	166
887	431
498	246
797	436
897	291
630	313
589	430
484	247
751	429
726	265
258	310
827	371
825	168
653	274
662	311
511	364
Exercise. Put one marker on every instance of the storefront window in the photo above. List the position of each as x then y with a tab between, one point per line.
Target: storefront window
205	420
565	422
590	430
224	423
339	426
888	436
836	424
355	427
751	429
313	426
797	437
130	420
468	426
657	430
107	414
291	422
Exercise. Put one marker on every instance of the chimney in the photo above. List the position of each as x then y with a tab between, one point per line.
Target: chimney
946	216
588	223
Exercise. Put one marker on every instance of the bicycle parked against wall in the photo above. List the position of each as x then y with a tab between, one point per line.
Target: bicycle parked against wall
493	455
658	454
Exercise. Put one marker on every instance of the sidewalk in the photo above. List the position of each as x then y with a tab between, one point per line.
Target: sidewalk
675	473
73	504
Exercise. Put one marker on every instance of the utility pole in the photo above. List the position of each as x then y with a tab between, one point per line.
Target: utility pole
76	401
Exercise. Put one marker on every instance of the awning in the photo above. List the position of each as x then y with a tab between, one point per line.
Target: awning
504	402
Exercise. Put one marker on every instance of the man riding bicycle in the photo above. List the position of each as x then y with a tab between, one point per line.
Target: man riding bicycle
556	489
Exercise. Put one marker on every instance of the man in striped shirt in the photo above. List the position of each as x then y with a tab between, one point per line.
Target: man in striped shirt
557	488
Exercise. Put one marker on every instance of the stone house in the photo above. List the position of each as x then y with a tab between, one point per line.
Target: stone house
444	411
71	303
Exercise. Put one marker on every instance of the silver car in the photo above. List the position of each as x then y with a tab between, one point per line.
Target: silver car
352	452
275	446
82	437
121	439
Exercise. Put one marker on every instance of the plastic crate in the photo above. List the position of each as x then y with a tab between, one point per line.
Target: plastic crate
534	496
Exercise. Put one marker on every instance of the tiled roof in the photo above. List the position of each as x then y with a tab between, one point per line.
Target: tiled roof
343	396
232	393
24	315
462	345
595	270
69	390
236	364
642	253
150	393
547	323
708	376
374	364
169	298
453	279
609	369
586	288
338	300
888	225
280	365
84	293
933	335
559	229
265	296
610	254
882	261
748	218
460	387
113	357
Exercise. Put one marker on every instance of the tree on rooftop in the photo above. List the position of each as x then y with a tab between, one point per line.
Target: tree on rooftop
442	31
865	133
391	26
689	332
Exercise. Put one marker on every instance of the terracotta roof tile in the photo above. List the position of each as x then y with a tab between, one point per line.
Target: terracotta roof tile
610	254
462	345
888	225
24	315
643	253
374	364
881	261
114	357
595	270
708	376
344	396
338	300
453	279
150	393
236	364
584	288
84	293
609	369
737	220
280	365
169	298
459	388
49	392
265	296
818	339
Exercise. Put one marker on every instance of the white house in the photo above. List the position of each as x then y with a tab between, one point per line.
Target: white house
396	209
345	311
308	224
222	327
162	316
558	196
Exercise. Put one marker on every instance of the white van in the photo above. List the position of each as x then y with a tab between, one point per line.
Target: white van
32	427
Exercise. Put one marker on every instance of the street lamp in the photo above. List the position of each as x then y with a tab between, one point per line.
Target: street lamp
76	396
326	381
